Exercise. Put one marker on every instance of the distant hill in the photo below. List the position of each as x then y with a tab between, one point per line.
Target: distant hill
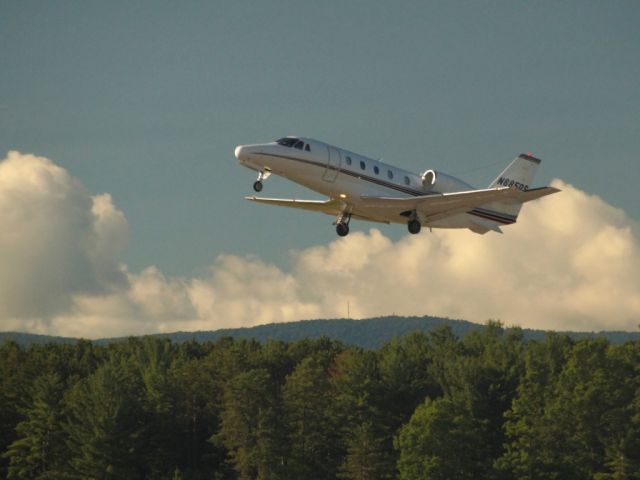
368	333
29	338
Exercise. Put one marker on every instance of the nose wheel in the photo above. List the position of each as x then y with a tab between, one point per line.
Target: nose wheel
263	175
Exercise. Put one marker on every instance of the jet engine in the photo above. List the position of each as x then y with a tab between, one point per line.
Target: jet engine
442	183
429	179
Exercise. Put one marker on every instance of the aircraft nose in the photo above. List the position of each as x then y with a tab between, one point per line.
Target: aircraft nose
238	151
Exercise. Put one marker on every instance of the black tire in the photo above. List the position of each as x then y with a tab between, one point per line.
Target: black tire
257	186
342	229
414	226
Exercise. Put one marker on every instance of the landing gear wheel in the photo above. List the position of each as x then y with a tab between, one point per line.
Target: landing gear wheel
342	229
414	226
257	186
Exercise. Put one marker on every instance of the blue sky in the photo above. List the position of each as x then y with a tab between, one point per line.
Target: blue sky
146	101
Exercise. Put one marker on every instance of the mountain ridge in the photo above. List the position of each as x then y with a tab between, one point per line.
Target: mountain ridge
365	333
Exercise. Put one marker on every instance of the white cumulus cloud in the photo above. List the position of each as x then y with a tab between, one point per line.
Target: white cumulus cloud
571	262
56	241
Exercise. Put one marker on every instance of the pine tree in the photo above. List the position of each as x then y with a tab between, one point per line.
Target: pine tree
440	442
311	425
13	387
365	459
106	424
250	429
40	452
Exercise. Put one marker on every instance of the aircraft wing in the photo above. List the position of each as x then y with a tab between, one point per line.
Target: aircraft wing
330	207
440	205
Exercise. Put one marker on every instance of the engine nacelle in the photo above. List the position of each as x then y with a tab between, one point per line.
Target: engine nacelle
442	183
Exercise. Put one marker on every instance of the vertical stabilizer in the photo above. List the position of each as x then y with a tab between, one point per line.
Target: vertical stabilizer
518	174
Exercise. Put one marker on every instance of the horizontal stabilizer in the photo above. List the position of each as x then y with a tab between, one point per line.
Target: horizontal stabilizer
535	193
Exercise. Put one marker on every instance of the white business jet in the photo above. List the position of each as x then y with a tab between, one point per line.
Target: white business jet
368	189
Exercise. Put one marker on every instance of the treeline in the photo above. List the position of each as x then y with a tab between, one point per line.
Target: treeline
427	406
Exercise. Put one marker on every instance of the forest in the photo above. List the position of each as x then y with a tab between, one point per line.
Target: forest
429	405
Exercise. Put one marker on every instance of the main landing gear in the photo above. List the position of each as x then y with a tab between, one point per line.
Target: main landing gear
414	226
263	175
342	224
342	229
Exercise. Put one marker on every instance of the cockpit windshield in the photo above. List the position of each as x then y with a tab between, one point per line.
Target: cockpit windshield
287	141
294	142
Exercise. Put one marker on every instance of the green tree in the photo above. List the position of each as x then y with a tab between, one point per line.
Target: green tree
314	449
198	406
14	386
580	423
106	424
461	434
250	427
406	375
153	357
534	444
360	403
366	457
39	451
441	442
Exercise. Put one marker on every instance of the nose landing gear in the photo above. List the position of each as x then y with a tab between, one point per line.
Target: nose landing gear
263	175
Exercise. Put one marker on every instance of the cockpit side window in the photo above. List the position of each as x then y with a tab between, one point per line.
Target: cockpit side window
287	141
299	145
306	147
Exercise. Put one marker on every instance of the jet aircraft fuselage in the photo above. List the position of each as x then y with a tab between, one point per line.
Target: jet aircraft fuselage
361	187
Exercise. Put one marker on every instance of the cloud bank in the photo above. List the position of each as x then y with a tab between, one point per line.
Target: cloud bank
572	262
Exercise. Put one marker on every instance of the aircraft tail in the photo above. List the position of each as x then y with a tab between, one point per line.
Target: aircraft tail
519	174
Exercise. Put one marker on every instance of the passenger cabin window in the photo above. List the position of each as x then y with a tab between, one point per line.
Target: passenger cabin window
348	160
299	145
287	141
390	174
363	165
306	147
376	169
406	180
